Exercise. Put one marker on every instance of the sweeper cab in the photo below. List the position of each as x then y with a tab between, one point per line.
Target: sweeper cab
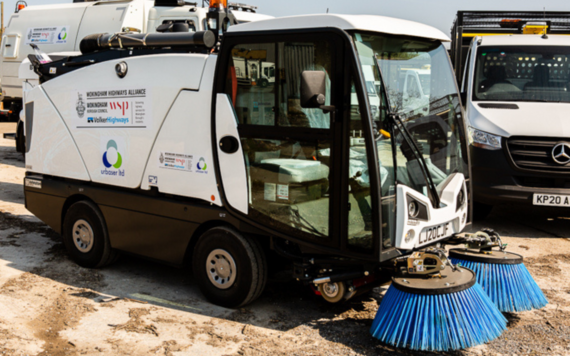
151	144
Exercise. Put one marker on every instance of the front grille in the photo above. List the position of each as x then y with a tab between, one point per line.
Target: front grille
535	153
542	182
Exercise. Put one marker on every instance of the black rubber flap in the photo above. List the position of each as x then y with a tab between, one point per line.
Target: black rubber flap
496	257
451	282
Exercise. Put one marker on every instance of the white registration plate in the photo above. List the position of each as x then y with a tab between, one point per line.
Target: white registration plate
551	200
438	232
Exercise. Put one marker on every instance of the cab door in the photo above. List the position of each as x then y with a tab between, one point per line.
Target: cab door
280	164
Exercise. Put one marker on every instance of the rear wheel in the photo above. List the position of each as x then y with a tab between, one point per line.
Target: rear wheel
481	211
85	236
230	268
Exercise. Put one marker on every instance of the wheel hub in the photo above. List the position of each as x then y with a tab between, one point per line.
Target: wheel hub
221	269
330	289
83	236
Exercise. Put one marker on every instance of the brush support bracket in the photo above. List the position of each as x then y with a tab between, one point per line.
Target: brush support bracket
493	256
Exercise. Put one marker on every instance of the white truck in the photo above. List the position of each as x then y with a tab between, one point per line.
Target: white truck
59	28
156	148
254	71
515	82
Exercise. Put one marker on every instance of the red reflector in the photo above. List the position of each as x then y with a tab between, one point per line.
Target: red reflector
21	7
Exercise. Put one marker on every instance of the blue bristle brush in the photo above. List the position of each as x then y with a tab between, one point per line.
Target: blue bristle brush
504	277
437	314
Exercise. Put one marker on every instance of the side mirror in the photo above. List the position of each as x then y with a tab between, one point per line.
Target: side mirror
313	89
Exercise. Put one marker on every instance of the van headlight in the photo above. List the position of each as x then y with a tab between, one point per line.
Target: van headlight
484	140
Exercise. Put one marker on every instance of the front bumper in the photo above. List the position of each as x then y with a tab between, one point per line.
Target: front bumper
497	181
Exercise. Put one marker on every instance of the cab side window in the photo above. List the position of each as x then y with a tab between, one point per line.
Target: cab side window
287	148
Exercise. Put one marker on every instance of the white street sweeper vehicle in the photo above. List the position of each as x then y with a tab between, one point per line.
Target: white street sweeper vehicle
59	28
151	145
515	75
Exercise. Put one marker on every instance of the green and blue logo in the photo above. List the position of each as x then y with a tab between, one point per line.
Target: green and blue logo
62	35
202	166
112	157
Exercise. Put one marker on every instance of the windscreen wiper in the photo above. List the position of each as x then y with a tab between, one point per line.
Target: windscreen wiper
397	120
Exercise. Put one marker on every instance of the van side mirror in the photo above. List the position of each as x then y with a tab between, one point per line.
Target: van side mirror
313	89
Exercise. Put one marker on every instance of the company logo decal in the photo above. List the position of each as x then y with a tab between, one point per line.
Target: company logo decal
62	35
119	106
561	153
80	107
112	157
175	160
202	166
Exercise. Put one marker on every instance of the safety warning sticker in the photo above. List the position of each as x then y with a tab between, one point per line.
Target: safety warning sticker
176	161
283	191
48	35
112	108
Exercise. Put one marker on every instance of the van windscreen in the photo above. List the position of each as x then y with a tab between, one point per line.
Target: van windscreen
522	73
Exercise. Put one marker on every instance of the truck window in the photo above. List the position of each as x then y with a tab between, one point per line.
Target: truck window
360	235
432	117
289	174
522	73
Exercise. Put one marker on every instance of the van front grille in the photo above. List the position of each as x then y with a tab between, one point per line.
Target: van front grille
535	153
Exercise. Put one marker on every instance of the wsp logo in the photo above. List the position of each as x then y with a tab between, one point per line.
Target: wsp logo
120	106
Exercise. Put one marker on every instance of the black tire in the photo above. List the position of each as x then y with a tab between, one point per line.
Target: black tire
249	260
263	83
481	211
98	251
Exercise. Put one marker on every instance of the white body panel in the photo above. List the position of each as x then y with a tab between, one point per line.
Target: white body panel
111	18
166	80
183	141
52	150
232	166
531	119
449	213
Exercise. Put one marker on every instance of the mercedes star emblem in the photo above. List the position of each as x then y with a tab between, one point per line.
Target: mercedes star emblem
561	153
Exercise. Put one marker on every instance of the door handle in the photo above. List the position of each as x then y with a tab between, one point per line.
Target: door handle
229	144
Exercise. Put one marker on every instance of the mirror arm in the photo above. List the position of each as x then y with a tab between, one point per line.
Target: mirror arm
329	109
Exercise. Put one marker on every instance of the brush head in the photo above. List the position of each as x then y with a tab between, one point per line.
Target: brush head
446	282
504	277
437	314
491	256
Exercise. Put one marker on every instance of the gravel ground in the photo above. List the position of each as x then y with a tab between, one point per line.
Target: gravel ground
50	306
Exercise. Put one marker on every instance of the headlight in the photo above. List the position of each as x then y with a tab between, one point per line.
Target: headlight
484	140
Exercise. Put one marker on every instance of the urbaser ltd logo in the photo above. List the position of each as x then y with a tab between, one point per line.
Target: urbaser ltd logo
112	160
202	166
62	35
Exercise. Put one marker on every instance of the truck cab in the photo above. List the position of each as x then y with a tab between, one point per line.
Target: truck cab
323	166
516	94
